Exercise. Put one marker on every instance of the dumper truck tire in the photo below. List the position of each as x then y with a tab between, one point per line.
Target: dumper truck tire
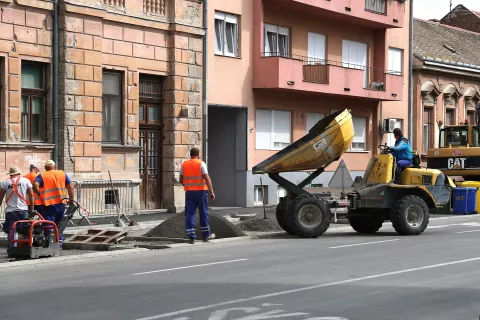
367	224
308	216
410	216
282	220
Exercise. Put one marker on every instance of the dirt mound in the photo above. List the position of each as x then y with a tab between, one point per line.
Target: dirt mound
174	227
260	224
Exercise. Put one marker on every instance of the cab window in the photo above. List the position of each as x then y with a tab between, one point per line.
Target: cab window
475	137
454	136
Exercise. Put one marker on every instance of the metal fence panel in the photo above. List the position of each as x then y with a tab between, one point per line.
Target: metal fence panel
97	198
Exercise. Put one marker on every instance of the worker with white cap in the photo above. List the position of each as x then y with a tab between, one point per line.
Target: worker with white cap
52	186
18	189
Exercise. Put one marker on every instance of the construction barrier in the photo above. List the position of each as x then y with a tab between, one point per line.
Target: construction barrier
99	198
104	197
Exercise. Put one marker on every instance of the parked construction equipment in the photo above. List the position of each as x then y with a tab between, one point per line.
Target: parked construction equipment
458	152
380	195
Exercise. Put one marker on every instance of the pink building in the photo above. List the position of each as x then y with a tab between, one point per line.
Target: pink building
277	67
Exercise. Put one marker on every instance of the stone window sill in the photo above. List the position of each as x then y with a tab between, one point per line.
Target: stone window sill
120	147
20	145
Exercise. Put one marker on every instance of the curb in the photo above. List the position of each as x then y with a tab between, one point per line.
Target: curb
70	258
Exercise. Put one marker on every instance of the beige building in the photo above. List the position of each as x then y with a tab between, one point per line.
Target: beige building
446	73
129	90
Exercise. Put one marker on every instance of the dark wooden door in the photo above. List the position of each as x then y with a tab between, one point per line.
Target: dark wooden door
151	141
150	169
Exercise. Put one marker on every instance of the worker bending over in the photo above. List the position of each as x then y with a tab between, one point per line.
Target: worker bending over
196	182
18	190
52	187
402	151
37	201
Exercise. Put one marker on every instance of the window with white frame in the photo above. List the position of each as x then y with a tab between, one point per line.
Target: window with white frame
272	129
360	137
354	54
277	41
312	119
395	61
226	34
260	196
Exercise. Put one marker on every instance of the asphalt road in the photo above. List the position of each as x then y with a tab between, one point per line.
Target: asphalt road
338	276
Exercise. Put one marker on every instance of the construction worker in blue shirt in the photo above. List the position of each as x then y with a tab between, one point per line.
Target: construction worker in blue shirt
402	151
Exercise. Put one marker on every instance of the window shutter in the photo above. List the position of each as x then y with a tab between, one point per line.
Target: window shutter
281	129
360	126
345	51
263	127
312	119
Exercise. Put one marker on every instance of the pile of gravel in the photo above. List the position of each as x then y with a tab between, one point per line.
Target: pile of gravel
174	227
260	224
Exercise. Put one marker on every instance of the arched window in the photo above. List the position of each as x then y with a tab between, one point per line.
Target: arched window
429	103
450	102
472	98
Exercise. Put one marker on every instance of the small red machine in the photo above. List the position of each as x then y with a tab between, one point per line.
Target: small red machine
37	237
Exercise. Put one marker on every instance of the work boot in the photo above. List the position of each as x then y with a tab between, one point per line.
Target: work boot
210	237
191	240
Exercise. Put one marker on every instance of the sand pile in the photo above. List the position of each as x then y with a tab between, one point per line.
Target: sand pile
174	227
260	224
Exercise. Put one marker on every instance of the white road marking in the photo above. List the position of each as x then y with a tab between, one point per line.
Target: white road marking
467	224
188	267
362	244
319	286
469	231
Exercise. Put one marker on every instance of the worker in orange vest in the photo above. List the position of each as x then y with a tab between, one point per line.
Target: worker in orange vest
37	201
52	186
196	183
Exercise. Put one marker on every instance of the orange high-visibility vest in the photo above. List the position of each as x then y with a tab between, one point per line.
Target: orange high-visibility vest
15	191
36	199
192	176
54	189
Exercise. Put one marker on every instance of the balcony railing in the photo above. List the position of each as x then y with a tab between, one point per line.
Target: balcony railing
115	3
317	70
376	6
154	6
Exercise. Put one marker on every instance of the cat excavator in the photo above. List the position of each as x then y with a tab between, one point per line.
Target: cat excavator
458	152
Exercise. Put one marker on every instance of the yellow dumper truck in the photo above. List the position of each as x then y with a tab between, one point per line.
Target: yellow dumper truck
405	200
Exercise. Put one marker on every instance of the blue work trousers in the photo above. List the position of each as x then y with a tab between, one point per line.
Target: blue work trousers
402	164
54	213
194	200
10	218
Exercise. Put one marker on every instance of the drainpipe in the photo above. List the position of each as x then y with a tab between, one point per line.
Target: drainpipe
205	78
410	78
55	81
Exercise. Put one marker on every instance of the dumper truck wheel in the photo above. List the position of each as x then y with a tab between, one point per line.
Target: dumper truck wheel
308	216
410	216
282	221
367	224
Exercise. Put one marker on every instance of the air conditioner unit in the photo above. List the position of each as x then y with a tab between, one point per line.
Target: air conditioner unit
389	125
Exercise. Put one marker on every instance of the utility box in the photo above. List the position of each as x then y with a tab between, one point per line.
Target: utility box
465	200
